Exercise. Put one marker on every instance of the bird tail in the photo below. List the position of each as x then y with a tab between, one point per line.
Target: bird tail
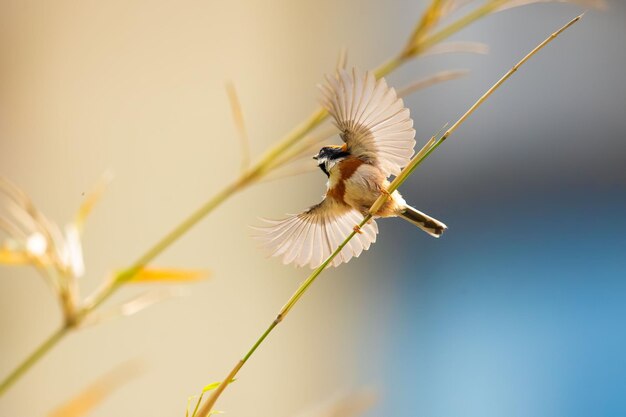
431	226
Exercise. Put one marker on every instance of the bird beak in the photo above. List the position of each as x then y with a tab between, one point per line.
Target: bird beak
315	157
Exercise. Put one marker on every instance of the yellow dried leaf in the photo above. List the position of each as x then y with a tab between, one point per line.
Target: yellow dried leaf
209	387
12	257
429	19
214	385
169	275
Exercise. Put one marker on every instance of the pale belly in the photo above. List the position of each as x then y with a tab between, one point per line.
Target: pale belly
363	188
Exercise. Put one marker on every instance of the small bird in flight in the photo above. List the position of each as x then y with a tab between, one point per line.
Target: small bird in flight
379	138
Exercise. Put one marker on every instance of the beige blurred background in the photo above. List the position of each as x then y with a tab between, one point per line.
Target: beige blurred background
137	87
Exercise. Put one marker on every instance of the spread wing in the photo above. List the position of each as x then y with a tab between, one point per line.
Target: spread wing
373	121
310	237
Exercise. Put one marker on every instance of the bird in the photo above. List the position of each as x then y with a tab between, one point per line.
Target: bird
379	140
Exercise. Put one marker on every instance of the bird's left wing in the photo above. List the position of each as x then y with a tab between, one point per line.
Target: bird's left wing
310	237
373	121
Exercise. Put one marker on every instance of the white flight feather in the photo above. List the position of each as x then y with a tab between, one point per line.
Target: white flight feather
373	120
310	237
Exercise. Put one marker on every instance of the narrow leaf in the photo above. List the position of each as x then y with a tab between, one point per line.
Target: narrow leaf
458	47
210	387
12	257
169	275
235	107
434	79
133	306
430	18
214	385
593	4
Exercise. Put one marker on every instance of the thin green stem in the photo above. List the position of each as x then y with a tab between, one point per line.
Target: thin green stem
33	358
170	238
261	339
304	286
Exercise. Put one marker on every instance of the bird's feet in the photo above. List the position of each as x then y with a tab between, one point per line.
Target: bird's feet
384	191
357	229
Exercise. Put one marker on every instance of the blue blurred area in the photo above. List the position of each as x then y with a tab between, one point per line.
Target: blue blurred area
518	311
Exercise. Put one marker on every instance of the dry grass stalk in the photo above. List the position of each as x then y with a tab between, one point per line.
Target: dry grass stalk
235	107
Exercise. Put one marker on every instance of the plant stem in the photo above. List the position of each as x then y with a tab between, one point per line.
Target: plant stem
208	405
169	239
33	358
430	146
434	144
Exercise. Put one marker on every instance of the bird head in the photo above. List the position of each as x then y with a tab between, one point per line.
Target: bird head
328	156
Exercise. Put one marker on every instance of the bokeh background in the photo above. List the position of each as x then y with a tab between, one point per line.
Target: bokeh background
517	311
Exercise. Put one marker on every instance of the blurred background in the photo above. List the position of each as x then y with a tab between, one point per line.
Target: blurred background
518	310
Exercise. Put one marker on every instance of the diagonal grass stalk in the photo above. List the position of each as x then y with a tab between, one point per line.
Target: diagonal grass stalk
430	146
50	342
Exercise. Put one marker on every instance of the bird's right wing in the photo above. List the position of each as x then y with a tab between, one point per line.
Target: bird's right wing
310	237
372	119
